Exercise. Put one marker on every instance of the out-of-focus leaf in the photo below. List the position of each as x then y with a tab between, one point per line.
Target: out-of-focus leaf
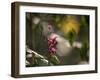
72	35
58	21
84	50
83	21
54	59
84	31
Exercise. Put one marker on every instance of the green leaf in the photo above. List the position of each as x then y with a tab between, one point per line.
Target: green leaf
84	22
72	35
84	50
54	59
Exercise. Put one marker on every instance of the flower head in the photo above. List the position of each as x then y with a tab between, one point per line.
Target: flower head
52	45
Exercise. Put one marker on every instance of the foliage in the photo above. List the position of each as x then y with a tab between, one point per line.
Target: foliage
84	51
71	36
54	59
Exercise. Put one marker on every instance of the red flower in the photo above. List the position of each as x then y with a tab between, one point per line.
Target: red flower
52	45
52	50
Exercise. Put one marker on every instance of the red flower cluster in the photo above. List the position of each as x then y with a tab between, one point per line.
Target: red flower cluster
52	45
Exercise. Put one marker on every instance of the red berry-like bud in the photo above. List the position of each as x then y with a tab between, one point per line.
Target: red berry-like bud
52	45
53	49
55	42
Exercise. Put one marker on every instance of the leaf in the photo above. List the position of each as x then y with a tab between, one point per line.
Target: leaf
84	22
72	35
54	59
84	50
